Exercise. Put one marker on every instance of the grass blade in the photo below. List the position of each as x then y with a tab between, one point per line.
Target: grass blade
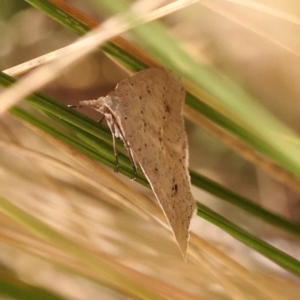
282	259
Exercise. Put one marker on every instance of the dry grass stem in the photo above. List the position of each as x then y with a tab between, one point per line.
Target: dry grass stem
47	58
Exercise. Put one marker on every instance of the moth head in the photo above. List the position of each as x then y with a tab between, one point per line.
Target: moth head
99	104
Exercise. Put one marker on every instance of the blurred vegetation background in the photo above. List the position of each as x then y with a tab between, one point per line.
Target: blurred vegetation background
253	45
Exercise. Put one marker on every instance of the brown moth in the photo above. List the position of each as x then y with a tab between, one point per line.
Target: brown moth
145	111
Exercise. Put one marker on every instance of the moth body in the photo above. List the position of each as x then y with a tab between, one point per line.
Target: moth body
145	110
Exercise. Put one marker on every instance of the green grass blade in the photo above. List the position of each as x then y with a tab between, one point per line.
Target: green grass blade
282	259
103	155
42	102
243	203
106	150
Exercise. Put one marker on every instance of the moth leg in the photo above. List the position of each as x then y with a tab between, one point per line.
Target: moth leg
80	106
115	153
132	162
117	132
111	122
127	146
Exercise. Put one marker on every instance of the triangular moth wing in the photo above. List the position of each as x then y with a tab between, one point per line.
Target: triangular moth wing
148	108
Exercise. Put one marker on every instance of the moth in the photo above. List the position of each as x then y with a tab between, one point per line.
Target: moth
145	111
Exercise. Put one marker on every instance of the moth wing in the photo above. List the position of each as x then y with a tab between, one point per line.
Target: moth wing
148	109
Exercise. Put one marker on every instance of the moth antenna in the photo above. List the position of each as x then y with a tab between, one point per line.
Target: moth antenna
81	106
